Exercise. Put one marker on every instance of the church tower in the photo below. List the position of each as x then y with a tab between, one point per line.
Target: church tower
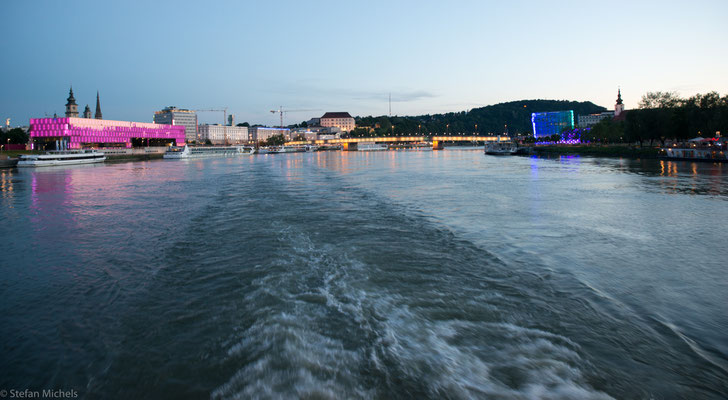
71	106
98	107
619	107
87	112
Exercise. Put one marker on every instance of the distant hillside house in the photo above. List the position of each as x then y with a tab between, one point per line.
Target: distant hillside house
341	120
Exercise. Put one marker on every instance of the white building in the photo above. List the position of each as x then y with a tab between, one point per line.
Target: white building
587	121
261	133
179	116
316	133
219	134
341	120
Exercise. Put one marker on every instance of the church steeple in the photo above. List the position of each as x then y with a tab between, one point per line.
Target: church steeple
619	107
71	106
98	107
87	112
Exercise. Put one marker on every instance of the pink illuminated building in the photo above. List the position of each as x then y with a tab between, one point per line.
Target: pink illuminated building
76	133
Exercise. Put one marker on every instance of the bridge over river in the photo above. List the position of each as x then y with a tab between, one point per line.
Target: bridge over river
350	144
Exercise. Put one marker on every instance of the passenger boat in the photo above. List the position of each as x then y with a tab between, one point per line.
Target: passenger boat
501	148
291	149
178	152
698	149
269	150
371	147
61	157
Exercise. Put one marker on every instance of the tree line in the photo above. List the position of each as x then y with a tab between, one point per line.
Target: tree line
664	116
512	117
14	136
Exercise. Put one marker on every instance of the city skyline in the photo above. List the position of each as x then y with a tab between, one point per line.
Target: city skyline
432	58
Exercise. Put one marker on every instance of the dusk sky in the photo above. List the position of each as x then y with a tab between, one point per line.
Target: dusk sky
433	56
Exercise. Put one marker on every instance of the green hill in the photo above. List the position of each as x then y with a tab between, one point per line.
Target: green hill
490	119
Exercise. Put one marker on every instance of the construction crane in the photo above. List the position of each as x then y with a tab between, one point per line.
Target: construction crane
280	111
224	121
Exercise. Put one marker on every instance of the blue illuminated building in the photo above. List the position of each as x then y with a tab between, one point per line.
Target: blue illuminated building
552	123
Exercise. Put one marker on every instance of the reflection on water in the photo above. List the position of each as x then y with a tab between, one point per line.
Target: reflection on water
367	274
663	175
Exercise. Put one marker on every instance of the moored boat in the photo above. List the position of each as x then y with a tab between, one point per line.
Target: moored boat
61	157
179	152
501	148
371	146
698	149
292	149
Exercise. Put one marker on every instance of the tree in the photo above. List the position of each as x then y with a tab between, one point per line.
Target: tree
244	124
607	131
300	137
276	140
208	142
16	136
661	100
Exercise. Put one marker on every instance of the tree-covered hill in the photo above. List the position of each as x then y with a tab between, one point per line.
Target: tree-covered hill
489	119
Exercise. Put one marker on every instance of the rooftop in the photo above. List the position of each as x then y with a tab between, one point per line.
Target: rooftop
337	115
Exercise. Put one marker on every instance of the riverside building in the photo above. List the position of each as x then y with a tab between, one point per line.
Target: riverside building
341	120
179	116
552	123
261	133
316	133
219	134
587	121
73	132
77	133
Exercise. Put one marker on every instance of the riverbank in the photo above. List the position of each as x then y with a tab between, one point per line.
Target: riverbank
10	159
118	158
598	151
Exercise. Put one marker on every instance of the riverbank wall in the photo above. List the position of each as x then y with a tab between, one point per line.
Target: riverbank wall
598	151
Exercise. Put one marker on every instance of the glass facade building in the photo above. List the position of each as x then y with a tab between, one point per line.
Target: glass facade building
77	133
179	116
552	123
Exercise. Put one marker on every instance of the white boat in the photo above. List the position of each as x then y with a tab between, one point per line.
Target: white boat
178	152
291	149
269	150
501	148
371	146
61	157
698	149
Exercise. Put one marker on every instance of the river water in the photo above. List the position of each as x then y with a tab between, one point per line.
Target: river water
400	274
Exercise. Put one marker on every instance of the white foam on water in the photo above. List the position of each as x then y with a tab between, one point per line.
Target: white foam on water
294	362
447	358
294	352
